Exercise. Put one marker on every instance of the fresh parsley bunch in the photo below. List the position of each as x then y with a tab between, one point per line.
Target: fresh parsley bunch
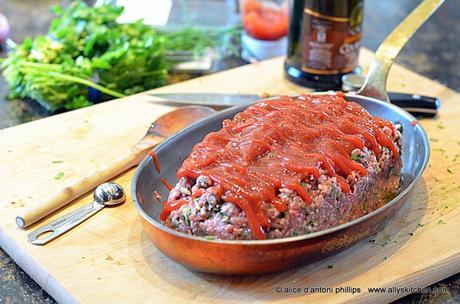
84	48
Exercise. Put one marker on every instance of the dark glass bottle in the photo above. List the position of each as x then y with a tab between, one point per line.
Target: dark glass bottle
324	41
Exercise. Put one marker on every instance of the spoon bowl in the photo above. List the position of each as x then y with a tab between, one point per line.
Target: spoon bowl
109	194
170	123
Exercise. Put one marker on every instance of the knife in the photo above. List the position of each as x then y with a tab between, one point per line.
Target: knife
415	104
206	99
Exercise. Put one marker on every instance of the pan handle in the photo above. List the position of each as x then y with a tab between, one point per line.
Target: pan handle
375	83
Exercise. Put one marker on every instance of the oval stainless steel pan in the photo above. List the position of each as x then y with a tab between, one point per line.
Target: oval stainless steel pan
262	256
248	257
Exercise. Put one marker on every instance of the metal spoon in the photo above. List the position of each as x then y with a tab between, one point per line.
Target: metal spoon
165	126
376	80
107	194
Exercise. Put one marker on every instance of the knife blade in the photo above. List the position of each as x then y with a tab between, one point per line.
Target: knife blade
415	104
206	99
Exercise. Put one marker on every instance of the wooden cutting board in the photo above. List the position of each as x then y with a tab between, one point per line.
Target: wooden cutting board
109	259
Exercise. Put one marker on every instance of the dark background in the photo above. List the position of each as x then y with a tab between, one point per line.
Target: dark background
432	52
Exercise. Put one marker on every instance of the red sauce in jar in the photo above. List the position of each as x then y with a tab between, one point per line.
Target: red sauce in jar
264	21
279	143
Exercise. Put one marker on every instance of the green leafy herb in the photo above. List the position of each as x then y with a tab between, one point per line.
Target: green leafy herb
56	70
356	157
385	240
209	237
57	161
59	176
88	56
187	214
334	191
198	40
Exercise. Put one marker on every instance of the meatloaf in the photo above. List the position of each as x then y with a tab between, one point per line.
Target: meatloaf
286	167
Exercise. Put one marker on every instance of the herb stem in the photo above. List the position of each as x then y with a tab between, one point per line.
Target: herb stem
87	83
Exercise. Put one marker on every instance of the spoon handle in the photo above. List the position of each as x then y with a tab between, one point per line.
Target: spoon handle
376	80
78	188
49	232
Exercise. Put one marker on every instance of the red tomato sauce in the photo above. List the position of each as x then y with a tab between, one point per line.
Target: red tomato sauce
279	143
264	21
167	185
155	160
170	206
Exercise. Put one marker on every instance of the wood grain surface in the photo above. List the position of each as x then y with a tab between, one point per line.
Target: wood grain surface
109	259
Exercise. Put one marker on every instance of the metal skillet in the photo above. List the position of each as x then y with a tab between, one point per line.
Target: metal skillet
263	256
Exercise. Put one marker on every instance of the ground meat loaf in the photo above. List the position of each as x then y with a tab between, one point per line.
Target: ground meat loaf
204	211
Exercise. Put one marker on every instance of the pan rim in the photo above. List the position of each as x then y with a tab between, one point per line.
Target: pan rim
285	240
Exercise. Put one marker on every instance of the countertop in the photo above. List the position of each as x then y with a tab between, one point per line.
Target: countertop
432	53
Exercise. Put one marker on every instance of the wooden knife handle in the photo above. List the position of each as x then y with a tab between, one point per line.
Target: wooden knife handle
57	200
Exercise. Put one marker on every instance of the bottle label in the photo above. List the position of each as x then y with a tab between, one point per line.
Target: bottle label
331	44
